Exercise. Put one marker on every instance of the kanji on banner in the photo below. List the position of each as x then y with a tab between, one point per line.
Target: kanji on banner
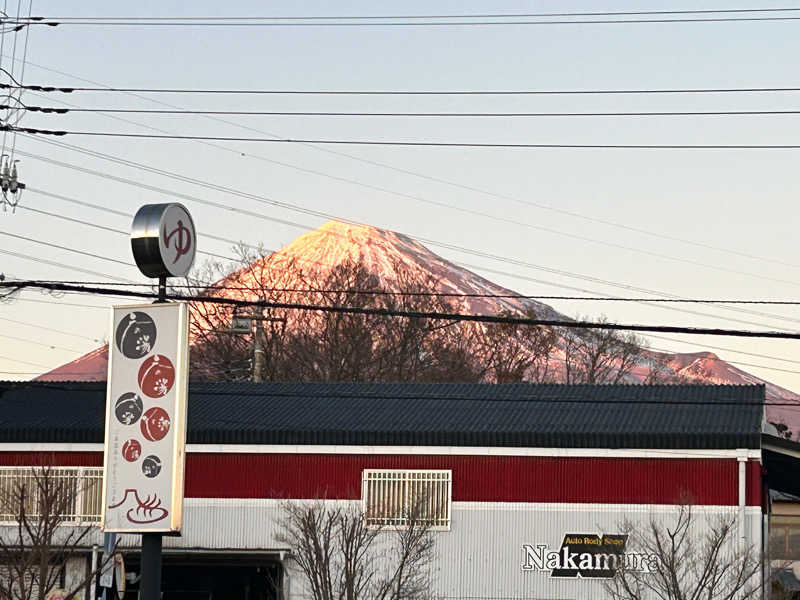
146	419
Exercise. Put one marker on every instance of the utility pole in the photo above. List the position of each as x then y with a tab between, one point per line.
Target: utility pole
254	324
259	353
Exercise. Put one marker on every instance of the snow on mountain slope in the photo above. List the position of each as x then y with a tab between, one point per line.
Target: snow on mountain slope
379	250
92	366
707	367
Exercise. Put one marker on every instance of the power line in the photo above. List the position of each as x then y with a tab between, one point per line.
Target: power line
519	276
106	228
433	315
434	16
24	362
29	341
60	265
166	192
21	76
121	214
80	252
292	207
702	113
67	249
481	191
496	296
384	23
740	364
54	302
423	176
401	293
69	90
426	144
44	328
482	214
370	292
767	356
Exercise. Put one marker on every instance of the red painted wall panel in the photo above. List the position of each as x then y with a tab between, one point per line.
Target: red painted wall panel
475	478
754	492
55	459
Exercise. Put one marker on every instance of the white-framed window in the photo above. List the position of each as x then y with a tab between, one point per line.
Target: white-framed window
78	491
391	497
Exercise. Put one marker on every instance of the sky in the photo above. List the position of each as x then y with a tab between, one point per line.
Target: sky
724	220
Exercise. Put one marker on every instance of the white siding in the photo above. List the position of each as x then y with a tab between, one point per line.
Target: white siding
481	556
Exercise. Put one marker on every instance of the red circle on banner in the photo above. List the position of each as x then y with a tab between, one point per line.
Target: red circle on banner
155	424
156	376
131	450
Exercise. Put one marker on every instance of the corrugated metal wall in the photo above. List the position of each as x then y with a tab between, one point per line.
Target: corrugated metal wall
482	554
232	505
475	478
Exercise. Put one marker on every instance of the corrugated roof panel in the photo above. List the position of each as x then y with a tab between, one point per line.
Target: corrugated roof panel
529	415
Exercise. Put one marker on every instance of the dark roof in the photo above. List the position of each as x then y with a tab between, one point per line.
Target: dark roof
781	458
527	415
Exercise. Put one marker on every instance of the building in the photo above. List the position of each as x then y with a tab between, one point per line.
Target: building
517	468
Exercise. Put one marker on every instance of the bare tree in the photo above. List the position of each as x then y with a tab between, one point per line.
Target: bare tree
309	345
514	353
312	345
688	561
342	557
601	355
42	537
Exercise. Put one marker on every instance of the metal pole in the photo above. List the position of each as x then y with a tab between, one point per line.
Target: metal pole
150	585
93	586
259	354
109	545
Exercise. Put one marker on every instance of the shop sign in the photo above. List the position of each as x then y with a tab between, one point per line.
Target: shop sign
146	419
163	240
586	555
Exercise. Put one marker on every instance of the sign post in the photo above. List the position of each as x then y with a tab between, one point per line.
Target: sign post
107	571
147	392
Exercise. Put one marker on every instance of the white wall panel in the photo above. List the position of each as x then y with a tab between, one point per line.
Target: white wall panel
480	557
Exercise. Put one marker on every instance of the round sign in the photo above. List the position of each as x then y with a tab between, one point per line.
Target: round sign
151	466
163	240
156	376
131	450
136	334
155	424
128	408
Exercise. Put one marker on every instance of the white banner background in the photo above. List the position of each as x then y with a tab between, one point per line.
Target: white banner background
146	418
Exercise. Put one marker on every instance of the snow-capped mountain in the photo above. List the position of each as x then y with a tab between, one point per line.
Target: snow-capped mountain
380	250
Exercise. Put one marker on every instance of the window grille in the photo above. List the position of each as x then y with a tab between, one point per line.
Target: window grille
392	497
77	491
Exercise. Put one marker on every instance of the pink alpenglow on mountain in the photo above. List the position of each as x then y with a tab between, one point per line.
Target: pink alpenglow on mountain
379	250
92	366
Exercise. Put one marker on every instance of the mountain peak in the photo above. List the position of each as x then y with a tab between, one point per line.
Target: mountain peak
351	230
336	242
394	258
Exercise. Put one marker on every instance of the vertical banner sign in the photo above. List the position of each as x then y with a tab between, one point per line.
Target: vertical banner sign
146	419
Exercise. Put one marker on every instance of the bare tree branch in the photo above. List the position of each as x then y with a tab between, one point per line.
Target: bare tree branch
343	558
689	561
44	537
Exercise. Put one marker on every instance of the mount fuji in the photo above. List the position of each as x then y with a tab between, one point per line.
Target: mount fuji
381	250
